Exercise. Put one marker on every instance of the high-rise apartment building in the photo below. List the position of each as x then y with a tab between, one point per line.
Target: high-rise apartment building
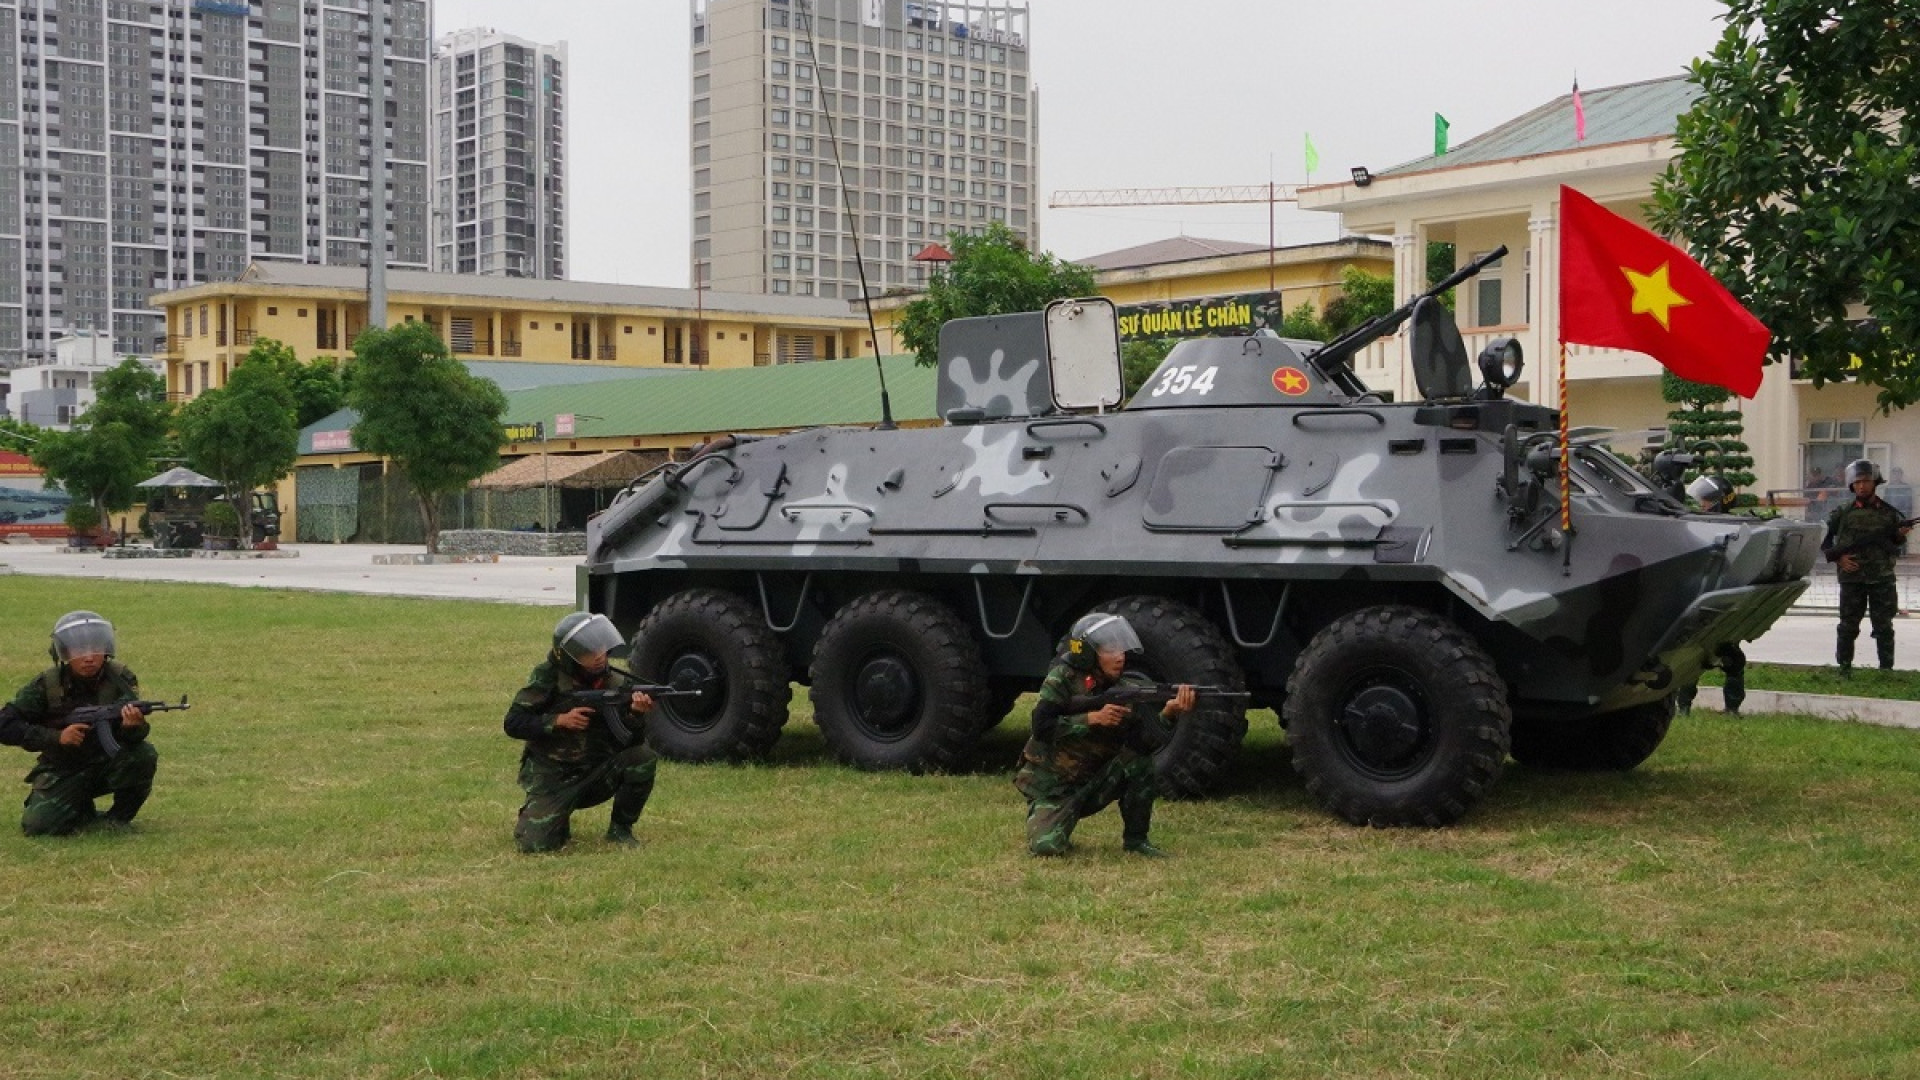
147	145
500	181
932	106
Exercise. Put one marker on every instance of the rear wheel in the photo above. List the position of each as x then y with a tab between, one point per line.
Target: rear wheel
1397	717
1612	742
714	642
1180	646
898	683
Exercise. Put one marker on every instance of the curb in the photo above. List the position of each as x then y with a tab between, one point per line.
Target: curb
1881	712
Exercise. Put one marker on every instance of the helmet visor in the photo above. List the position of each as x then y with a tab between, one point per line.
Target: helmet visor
82	634
591	637
1110	633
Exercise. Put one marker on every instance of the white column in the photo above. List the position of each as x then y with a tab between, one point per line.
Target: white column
1409	277
1543	242
1771	430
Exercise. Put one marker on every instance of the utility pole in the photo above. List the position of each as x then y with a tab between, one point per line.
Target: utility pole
377	171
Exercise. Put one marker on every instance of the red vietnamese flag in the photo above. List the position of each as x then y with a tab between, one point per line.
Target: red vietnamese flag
1625	288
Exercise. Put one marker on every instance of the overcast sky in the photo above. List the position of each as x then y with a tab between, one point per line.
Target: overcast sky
1133	93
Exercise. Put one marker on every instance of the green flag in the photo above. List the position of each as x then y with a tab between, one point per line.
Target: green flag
1313	156
1440	126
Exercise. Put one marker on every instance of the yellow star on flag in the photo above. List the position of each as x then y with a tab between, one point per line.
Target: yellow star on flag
1653	294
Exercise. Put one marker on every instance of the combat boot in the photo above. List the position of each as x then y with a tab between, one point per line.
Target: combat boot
1146	849
622	835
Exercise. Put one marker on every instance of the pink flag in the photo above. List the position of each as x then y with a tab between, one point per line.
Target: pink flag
1579	114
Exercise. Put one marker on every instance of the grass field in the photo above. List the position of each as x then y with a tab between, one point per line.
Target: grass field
1866	682
324	885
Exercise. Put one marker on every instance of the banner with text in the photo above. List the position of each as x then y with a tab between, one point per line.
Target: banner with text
1202	317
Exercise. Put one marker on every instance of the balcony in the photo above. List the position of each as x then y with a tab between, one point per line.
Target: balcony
509	347
605	352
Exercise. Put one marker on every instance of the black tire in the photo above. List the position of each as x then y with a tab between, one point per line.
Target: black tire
716	641
1000	701
1397	717
1180	646
898	683
1612	742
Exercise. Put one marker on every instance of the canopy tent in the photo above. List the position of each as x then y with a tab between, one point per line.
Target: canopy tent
576	471
182	477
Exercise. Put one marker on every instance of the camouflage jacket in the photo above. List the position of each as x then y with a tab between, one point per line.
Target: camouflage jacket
37	714
1068	750
1869	530
530	717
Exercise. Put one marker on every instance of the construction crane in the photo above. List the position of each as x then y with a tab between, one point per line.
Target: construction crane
1175	196
1187	196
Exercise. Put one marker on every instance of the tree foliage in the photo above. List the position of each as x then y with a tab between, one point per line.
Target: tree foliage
991	274
319	386
1363	295
421	409
244	434
1795	182
115	444
1702	426
1139	359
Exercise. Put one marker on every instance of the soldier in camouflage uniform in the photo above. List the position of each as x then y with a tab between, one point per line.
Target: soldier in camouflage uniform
1077	763
1864	538
75	767
579	755
1715	496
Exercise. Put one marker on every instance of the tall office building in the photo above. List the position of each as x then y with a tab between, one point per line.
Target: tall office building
500	136
147	145
935	116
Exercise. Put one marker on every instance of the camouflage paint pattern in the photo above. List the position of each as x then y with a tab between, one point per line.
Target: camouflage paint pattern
1237	471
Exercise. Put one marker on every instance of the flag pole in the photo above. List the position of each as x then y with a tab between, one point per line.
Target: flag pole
1566	474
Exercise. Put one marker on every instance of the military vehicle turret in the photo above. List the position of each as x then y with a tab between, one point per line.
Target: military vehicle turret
1391	577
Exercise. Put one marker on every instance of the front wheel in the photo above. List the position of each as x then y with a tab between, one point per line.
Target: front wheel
898	683
714	642
1179	645
1397	717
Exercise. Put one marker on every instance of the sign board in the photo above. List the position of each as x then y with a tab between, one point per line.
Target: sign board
332	440
1207	316
563	424
525	432
26	506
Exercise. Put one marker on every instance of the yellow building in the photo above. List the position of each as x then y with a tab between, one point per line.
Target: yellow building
318	310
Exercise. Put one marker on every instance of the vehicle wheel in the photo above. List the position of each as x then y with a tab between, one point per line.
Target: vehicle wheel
1000	701
1612	742
1181	646
898	683
1397	717
714	641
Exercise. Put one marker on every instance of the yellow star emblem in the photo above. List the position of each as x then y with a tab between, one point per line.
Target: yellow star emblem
1653	294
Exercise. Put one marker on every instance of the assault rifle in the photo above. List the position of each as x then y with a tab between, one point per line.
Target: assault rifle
1891	547
101	718
610	704
1135	694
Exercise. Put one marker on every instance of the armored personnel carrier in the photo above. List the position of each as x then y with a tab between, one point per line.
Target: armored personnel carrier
1391	577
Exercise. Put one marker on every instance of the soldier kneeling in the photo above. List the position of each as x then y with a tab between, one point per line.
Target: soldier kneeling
579	754
1084	755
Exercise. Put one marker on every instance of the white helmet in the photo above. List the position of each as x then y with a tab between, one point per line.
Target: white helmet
580	635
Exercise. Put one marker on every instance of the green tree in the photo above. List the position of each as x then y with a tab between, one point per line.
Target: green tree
1363	295
420	408
318	386
243	434
114	444
1304	322
1703	427
1138	359
1795	187
991	274
1440	263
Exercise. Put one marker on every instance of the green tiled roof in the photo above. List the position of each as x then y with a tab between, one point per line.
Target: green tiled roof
1615	114
781	397
652	402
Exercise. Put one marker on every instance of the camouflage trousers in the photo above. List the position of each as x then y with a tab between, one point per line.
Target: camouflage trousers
556	789
1731	660
1054	807
1879	598
61	799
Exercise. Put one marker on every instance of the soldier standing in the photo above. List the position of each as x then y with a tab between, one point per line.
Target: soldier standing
75	767
1077	763
579	755
1863	538
1715	496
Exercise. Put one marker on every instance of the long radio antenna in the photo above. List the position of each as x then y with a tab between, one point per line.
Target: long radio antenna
846	209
